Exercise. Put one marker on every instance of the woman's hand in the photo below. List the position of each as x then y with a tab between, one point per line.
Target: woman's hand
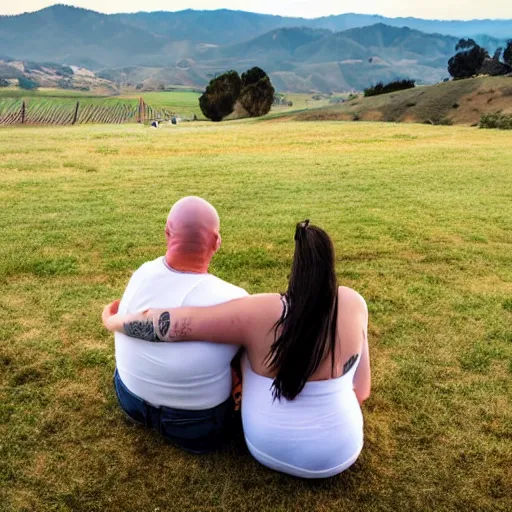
108	312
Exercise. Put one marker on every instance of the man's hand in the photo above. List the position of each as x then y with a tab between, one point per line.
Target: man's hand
108	311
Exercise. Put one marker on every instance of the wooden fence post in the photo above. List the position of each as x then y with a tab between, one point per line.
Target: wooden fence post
23	111
142	107
75	117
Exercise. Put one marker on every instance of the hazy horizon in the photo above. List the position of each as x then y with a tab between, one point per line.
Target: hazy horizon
434	10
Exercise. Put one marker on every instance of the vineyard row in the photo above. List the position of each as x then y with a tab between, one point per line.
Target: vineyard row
58	112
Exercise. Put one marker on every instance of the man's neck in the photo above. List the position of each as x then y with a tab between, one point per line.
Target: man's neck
184	264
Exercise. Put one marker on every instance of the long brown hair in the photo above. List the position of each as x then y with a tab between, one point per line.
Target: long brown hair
308	331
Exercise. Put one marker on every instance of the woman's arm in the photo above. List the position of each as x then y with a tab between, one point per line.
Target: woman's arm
362	377
232	322
353	325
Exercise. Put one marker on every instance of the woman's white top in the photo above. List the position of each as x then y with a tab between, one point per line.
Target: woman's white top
317	435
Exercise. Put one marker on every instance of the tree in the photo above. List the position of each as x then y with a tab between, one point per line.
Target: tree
219	99
507	54
257	93
27	83
468	60
253	76
497	54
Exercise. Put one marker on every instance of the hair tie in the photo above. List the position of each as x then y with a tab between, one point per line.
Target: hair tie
301	228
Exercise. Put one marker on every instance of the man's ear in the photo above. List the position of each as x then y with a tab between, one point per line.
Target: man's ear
218	242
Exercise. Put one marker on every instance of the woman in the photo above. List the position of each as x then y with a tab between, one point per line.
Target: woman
306	367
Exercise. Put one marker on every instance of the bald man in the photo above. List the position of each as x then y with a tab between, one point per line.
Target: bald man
181	390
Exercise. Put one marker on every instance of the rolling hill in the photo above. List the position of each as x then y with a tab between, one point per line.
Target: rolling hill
189	47
52	75
458	102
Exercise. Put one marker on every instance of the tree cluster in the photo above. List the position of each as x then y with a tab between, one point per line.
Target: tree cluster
253	91
471	60
507	54
397	85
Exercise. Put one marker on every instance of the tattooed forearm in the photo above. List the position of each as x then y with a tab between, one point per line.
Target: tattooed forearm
349	364
143	330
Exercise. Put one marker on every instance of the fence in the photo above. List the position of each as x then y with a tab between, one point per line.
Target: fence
64	111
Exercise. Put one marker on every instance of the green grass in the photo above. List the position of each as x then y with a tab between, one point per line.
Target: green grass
182	103
421	219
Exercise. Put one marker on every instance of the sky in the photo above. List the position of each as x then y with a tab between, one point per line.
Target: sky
430	9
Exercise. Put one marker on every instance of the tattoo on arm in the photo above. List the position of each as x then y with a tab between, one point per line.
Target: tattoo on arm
166	329
164	323
349	364
181	329
143	330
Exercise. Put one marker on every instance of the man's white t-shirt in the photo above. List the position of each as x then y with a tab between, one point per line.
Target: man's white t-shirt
191	375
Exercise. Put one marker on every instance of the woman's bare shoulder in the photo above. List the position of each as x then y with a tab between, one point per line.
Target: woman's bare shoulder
352	299
262	305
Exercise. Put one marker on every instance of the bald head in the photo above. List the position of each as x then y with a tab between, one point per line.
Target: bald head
192	230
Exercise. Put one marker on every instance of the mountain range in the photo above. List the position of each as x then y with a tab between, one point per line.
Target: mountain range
155	49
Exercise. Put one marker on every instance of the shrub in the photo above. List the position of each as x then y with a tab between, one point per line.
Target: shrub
64	84
66	71
397	85
444	121
496	120
4	82
219	99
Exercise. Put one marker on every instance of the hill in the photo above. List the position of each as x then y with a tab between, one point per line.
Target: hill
189	47
224	26
69	35
55	76
458	102
307	59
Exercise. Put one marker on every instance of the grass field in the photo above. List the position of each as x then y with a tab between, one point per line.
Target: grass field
59	104
183	103
421	218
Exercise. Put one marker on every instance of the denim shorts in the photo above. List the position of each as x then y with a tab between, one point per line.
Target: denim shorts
195	431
